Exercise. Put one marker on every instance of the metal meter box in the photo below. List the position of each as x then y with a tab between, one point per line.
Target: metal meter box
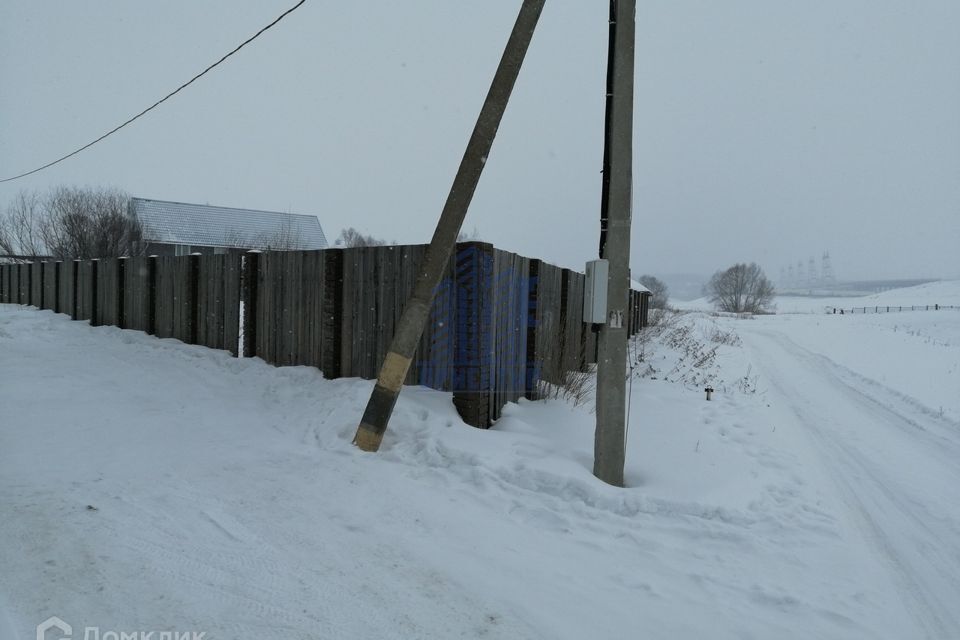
595	292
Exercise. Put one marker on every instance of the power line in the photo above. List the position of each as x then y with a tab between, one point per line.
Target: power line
161	100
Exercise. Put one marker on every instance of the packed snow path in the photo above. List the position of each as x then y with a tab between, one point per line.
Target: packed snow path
894	462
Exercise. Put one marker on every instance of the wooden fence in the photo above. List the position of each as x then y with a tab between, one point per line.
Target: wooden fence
501	324
897	308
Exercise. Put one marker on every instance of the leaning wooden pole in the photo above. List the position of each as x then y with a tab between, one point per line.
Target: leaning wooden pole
397	362
615	217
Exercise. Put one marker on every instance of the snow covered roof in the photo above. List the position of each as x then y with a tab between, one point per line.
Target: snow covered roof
636	286
209	226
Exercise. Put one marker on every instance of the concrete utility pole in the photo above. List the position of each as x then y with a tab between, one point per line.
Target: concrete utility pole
397	362
615	214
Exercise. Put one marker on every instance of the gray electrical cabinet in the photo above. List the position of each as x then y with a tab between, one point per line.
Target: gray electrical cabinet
595	292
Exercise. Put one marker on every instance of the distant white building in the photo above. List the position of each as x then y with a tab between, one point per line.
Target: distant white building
178	228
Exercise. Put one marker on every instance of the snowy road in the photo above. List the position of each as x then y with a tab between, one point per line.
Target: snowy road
894	463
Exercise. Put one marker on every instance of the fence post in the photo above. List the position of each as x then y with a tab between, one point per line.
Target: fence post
251	275
94	291
473	336
56	286
151	295
531	375
121	291
75	298
332	313
194	297
43	278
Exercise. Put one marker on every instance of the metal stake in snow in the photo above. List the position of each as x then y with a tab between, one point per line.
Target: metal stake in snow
615	214
397	362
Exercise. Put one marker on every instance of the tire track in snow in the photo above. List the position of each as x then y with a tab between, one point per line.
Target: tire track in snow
921	549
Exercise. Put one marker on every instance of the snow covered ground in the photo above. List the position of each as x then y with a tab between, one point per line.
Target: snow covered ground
146	485
946	292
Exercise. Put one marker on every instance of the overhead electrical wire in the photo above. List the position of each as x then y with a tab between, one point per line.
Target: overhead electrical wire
161	100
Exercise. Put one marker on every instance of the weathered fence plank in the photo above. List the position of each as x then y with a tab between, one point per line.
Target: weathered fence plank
23	280
473	341
250	283
107	309
332	310
509	309
5	283
183	295
218	303
86	284
67	300
168	297
571	321
136	294
48	276
36	284
544	334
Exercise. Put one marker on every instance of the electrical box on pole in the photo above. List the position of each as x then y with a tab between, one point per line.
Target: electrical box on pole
595	292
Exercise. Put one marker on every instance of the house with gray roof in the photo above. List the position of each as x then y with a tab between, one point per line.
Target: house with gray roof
178	228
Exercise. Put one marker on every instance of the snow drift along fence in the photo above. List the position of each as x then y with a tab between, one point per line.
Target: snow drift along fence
500	324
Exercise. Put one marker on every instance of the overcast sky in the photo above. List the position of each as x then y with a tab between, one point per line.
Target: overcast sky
766	130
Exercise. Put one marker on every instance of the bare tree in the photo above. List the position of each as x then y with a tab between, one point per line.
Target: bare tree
351	237
21	226
71	222
471	236
741	288
83	222
235	239
286	237
658	291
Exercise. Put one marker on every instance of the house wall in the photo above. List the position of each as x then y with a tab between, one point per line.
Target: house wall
160	249
164	249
